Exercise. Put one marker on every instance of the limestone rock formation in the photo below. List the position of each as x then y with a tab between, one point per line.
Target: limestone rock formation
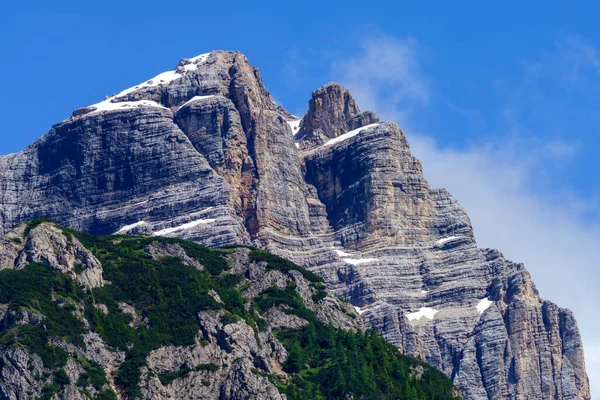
204	153
229	358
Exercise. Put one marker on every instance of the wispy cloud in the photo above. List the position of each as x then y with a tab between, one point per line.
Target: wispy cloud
578	53
385	76
498	180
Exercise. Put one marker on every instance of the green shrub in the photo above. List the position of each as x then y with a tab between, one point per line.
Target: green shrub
229	318
61	378
320	295
283	265
93	375
34	224
106	395
169	377
48	391
78	268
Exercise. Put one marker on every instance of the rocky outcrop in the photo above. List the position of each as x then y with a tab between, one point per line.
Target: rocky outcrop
208	156
47	244
230	358
331	112
232	349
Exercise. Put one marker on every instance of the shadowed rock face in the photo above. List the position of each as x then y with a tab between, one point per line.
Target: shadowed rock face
351	204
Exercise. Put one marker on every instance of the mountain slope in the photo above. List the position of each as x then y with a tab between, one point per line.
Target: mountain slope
207	155
171	319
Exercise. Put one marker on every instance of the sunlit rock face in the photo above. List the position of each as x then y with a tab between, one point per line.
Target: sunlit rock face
204	153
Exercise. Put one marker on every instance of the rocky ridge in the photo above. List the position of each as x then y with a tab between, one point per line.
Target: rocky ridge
233	349
207	155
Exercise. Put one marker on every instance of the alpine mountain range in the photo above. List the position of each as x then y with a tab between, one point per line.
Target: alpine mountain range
204	153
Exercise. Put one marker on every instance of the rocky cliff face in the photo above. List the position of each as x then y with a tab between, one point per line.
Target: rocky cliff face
204	153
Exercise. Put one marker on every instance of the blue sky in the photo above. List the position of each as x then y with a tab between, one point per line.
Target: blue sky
500	103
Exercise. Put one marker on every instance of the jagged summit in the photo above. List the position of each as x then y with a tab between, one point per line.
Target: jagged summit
216	161
332	112
113	103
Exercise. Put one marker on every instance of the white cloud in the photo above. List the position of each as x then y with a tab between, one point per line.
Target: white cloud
385	76
497	181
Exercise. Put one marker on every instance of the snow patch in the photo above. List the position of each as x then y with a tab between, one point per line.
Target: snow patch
342	254
183	227
197	98
449	239
161	79
355	261
348	135
294	125
359	310
195	61
127	228
483	305
426	312
424	291
108	105
201	58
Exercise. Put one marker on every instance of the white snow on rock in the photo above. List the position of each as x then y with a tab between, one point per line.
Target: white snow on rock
424	291
449	239
200	59
161	79
108	105
426	312
348	135
342	253
183	227
195	61
197	98
294	125
355	261
127	228
359	310
483	305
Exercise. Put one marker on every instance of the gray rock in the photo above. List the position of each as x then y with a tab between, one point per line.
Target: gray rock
332	112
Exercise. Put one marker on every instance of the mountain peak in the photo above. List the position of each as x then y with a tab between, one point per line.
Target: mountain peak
204	153
332	111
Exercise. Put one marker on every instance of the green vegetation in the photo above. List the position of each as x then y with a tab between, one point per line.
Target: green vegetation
78	268
323	362
167	292
168	378
281	264
34	224
330	363
288	298
94	375
61	378
48	391
30	290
